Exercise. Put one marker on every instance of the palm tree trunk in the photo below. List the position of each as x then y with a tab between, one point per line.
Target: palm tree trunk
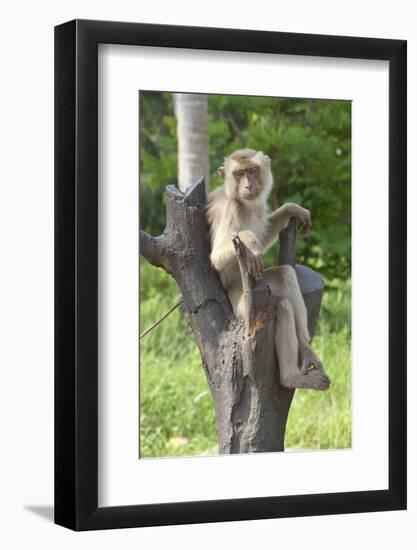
193	142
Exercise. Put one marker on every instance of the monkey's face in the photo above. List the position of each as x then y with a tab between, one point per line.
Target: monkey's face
248	182
247	175
243	180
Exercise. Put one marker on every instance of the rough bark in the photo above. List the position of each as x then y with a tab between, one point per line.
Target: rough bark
238	357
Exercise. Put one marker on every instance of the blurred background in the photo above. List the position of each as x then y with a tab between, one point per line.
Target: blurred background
184	136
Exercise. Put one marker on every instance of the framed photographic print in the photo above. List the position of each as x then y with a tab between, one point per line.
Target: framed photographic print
230	252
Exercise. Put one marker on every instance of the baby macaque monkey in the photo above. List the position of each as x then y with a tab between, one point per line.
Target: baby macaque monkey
240	206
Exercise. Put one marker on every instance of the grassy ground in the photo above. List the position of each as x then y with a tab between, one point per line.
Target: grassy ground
176	412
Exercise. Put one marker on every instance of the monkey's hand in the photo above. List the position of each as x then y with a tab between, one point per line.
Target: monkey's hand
303	216
251	252
254	262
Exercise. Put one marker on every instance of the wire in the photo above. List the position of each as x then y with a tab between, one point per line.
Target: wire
149	329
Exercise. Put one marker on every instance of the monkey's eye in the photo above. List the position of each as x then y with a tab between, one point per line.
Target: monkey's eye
254	170
238	173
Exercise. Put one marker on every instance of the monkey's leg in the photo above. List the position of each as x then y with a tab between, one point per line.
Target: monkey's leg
235	294
286	345
284	284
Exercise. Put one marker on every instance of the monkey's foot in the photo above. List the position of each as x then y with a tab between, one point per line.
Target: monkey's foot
309	361
314	379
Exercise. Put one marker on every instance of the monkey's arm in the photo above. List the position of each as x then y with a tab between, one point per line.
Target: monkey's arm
278	220
223	255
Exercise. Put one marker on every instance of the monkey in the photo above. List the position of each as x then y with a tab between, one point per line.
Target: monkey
240	206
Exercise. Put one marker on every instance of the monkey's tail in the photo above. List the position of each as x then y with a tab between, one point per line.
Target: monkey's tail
149	329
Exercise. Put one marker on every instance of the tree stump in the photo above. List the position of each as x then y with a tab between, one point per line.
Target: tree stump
238	357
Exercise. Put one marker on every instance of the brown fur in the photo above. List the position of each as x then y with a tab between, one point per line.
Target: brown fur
240	205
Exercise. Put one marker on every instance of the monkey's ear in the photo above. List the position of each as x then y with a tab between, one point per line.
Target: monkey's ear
220	171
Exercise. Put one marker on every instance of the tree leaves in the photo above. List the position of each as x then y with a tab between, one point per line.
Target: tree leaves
308	140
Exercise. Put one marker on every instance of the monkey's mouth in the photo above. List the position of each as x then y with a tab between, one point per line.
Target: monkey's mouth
249	195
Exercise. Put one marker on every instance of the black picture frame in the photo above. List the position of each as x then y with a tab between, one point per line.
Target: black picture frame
76	272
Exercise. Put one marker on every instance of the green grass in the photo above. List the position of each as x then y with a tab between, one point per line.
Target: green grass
176	410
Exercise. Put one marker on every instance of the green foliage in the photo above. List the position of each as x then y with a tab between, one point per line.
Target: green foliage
158	157
176	412
175	400
308	140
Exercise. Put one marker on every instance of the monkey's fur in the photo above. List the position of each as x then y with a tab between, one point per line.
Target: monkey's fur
240	205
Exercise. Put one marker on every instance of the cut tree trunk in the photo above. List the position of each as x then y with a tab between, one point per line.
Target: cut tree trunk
238	357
